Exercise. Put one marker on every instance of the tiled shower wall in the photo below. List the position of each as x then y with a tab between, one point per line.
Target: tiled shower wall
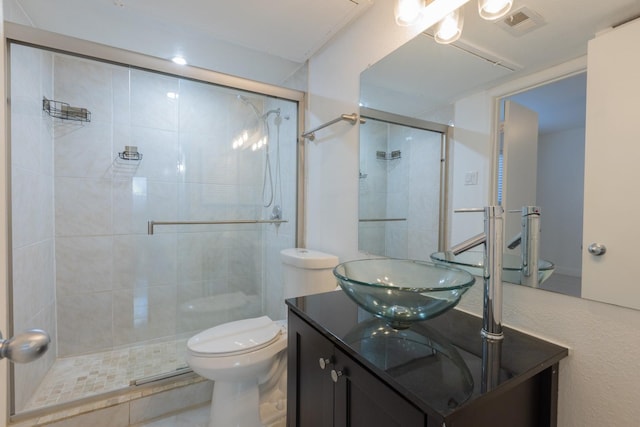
407	187
32	210
86	217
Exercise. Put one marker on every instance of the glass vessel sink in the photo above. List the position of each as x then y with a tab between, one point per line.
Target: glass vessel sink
472	261
402	291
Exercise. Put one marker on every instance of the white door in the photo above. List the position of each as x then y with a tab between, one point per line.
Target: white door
520	160
612	158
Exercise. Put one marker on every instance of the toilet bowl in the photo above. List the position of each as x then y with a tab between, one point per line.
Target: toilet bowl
246	358
238	356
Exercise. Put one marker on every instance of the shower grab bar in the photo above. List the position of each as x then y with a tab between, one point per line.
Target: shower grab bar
152	224
351	118
381	219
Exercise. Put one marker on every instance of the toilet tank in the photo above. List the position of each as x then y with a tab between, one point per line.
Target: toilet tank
307	272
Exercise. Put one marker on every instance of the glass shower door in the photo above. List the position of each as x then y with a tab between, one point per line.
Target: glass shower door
119	302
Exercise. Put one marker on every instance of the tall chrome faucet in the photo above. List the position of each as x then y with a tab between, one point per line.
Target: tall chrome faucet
529	241
493	241
491	332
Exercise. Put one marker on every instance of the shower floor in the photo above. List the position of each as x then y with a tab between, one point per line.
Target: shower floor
78	377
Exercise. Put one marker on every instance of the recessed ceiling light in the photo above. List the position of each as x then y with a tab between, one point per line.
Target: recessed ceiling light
179	60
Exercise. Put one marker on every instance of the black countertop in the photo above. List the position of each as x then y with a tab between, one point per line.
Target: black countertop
436	364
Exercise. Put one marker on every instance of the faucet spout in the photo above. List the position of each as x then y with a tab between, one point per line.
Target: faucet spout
515	241
468	244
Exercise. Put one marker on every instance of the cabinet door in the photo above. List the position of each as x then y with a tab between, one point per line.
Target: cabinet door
310	389
362	400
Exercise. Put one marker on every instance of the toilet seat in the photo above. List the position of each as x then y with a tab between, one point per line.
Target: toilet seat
233	338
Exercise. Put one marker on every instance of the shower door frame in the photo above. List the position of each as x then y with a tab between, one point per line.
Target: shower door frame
28	36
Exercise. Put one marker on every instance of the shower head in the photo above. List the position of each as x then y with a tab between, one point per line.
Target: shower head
246	101
255	109
255	133
276	111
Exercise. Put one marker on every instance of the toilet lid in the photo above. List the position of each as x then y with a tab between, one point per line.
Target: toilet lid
236	337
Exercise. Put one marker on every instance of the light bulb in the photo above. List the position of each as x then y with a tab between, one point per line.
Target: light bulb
179	60
494	9
407	12
449	28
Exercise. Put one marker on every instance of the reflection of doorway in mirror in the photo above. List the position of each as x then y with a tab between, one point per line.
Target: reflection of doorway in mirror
559	177
399	190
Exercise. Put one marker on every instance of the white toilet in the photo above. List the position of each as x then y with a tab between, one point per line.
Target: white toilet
246	359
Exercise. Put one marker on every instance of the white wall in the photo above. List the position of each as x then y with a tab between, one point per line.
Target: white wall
471	152
599	381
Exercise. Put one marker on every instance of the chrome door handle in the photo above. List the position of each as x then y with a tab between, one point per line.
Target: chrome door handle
25	347
597	249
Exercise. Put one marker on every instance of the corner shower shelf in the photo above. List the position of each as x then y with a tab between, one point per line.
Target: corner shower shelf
62	110
130	153
383	155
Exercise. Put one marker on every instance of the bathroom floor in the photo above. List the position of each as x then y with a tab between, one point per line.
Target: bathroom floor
83	376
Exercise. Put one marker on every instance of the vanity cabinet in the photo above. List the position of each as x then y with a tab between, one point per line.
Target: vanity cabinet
332	389
347	368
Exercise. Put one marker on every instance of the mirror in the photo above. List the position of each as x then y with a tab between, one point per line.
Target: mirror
555	155
458	85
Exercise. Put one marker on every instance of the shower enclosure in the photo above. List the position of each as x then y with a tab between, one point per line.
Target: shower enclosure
402	186
100	149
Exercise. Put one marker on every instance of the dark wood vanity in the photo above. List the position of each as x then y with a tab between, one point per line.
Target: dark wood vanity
348	368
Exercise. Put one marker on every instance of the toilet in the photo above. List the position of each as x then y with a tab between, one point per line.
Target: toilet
246	358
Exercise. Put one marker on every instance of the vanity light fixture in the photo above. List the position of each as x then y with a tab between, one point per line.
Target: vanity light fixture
449	28
407	12
446	15
494	9
179	60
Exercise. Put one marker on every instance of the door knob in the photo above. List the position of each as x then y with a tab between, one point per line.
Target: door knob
324	362
597	249
335	375
25	347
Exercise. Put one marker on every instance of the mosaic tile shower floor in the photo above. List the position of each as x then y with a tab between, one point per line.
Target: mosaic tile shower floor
83	376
